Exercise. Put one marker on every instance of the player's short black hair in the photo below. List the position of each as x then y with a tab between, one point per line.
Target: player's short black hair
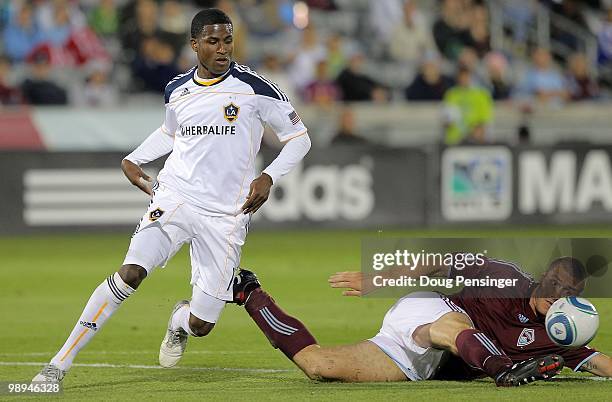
570	265
208	16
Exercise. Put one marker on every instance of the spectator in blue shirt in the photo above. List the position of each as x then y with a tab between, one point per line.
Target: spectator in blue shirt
59	32
21	35
542	81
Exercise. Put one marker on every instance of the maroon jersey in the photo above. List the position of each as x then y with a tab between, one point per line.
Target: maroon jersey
506	316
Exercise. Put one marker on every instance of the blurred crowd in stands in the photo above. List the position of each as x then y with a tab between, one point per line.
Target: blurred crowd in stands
99	53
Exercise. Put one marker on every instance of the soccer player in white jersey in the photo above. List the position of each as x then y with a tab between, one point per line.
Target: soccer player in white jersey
206	192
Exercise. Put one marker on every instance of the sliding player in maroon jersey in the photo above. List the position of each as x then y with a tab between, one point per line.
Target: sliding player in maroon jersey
498	334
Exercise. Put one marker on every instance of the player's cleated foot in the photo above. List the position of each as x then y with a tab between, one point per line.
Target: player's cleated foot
244	283
534	369
50	374
174	343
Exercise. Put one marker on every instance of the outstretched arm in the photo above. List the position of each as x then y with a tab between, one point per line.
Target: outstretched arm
358	283
600	365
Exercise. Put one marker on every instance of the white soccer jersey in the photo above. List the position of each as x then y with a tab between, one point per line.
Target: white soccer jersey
218	127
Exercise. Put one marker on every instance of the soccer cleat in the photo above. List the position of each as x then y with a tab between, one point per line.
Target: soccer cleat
50	374
174	343
244	283
527	371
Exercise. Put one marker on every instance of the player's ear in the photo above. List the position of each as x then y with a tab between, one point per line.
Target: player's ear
194	45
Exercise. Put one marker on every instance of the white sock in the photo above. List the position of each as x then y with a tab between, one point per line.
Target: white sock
104	301
180	319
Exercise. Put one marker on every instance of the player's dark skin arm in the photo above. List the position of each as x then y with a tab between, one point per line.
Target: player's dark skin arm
136	176
258	194
600	365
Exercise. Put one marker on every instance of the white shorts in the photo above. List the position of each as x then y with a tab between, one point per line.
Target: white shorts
395	336
204	306
215	242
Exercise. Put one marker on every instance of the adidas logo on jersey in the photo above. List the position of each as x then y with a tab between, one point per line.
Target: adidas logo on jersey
523	319
90	325
185	92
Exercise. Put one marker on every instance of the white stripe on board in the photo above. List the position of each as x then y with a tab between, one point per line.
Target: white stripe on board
74	177
62	197
54	197
85	216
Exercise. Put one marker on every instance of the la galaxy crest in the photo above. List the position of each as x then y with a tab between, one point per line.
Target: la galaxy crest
156	214
230	112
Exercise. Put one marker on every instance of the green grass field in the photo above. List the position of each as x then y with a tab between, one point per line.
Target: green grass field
46	280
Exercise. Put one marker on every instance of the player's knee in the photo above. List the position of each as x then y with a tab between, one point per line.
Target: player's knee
200	327
444	331
132	275
452	322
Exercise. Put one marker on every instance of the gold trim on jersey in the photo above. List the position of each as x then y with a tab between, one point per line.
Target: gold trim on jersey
205	91
301	133
210	81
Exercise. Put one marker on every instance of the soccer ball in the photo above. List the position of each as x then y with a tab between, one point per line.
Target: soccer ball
572	322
